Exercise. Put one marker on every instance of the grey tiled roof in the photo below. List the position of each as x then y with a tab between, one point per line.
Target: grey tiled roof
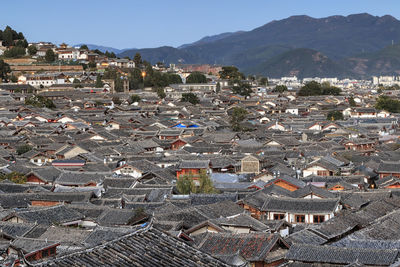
145	248
336	255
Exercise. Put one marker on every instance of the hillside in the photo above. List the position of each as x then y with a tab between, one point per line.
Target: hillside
336	36
209	39
383	62
166	54
300	62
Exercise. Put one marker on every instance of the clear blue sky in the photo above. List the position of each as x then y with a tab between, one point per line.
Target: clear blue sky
140	24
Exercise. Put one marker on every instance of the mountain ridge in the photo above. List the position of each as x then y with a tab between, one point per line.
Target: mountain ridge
337	37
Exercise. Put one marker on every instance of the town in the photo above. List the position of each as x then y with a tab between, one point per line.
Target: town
108	161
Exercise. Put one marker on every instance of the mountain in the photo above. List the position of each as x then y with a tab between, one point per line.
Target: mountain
337	38
300	62
166	54
383	62
102	48
209	39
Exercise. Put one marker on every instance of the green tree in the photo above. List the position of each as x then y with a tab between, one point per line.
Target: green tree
388	104
135	79
8	36
352	103
113	74
13	78
196	77
161	93
39	101
22	43
335	115
173	78
32	50
110	54
237	116
314	88
99	82
4	70
15	51
119	84
97	51
243	89
264	81
231	73
184	184
77	83
134	98
50	56
138	60
218	88
325	84
310	88
331	90
280	89
190	97
206	185
84	47
23	149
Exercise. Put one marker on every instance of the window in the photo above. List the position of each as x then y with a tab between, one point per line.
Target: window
300	218
45	253
319	218
279	216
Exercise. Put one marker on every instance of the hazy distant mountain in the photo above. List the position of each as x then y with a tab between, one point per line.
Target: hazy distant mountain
336	37
166	54
300	62
103	48
209	39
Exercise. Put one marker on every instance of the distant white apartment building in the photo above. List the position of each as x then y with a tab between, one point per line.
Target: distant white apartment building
386	80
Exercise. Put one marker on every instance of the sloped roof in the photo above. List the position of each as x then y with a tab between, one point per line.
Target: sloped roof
298	205
147	247
336	255
252	246
49	215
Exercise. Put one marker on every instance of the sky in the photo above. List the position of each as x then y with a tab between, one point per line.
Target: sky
146	24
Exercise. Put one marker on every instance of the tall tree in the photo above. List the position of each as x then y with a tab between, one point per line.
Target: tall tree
32	50
264	81
8	39
191	98
230	73
137	59
135	79
243	89
218	88
280	89
237	116
352	102
99	82
334	115
50	56
196	77
4	70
